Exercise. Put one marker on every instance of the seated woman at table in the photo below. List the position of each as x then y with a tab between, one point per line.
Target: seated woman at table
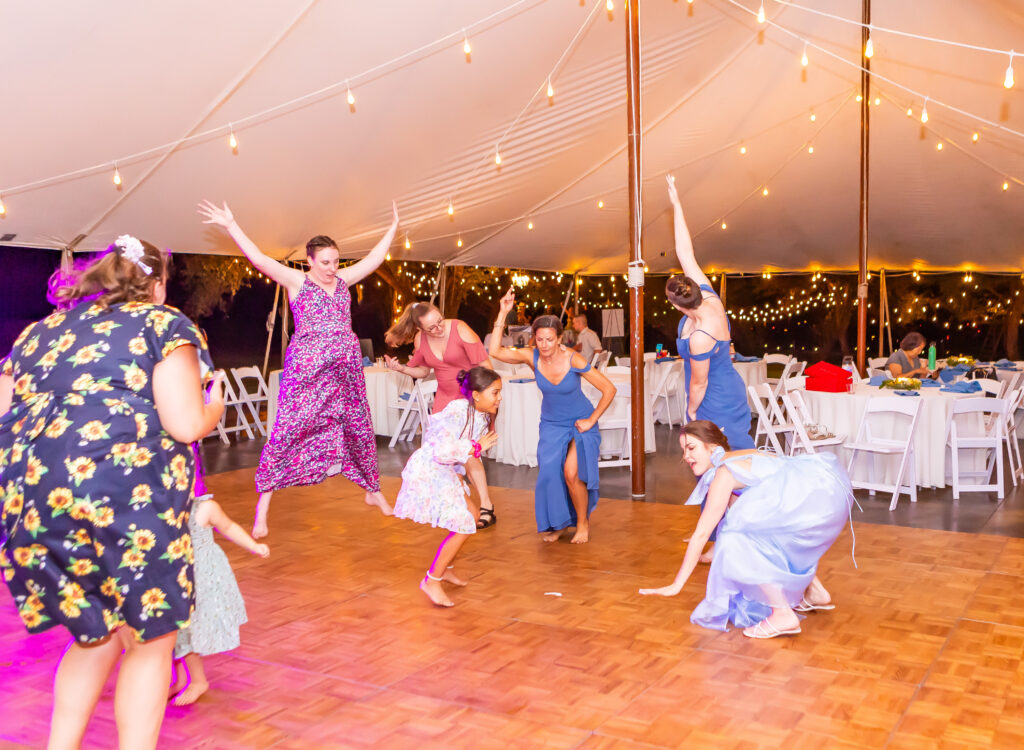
446	346
778	514
570	442
905	362
715	391
432	492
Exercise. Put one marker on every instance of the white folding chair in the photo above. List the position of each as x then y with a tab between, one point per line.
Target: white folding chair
797	383
776	359
260	393
414	410
622	361
877	363
776	383
981	426
231	401
873	371
669	389
761	397
871	441
619	447
600	361
800	416
1013	402
991	387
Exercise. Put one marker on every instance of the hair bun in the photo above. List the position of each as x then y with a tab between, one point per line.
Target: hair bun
462	377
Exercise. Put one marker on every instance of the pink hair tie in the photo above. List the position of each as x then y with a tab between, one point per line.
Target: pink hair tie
477	449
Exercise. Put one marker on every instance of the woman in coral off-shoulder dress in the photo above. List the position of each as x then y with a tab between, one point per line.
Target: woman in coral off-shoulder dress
323	424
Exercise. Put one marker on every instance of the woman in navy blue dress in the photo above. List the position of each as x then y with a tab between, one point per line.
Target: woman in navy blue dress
570	441
715	391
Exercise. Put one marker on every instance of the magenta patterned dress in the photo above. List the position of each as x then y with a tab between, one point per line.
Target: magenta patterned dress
323	422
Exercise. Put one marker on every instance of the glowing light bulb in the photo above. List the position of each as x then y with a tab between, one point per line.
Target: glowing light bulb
232	141
458	243
878	101
386	257
924	112
3	208
803	58
408	245
1006	185
810	149
466	49
600	204
117	177
551	90
497	157
860	97
1008	81
529	225
938	146
765	190
760	13
724	225
869	47
910	111
350	98
975	137
743	149
451	208
610	6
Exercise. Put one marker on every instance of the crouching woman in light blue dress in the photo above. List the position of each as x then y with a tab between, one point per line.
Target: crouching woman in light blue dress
781	514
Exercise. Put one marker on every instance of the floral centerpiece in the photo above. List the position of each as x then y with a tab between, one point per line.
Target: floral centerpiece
961	360
901	384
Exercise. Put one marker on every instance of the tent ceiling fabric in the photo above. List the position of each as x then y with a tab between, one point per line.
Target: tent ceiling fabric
92	83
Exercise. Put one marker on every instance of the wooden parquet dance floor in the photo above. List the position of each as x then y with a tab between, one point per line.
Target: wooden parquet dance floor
342	649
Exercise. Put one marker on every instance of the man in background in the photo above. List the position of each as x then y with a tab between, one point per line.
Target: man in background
587	342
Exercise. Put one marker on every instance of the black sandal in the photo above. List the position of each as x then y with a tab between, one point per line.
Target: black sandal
490	520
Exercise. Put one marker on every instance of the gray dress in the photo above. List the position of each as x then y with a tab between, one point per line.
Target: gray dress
220	610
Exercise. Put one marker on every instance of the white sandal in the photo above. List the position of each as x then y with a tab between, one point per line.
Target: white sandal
764	630
806	606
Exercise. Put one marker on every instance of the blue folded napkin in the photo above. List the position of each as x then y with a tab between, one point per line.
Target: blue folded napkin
1004	362
949	373
404	396
367	362
523	380
745	358
665	359
964	386
877	380
907	393
926	383
1011	367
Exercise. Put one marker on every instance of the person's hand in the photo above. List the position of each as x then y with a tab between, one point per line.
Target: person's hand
671	590
585	424
673	196
506	303
213	215
216	393
391	363
262	550
488	441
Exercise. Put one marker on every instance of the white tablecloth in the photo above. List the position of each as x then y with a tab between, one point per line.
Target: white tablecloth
841	413
753	373
382	388
518	422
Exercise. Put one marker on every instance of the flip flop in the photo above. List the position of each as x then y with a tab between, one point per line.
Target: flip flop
764	630
806	606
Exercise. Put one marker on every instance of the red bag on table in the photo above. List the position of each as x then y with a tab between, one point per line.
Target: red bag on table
821	376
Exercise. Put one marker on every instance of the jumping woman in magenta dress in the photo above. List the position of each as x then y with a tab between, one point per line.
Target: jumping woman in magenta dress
323	424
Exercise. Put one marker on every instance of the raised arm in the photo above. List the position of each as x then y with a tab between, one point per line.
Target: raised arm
600	381
505	353
718	501
684	245
290	278
361	269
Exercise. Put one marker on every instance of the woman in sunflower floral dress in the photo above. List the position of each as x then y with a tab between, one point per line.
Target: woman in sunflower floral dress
98	404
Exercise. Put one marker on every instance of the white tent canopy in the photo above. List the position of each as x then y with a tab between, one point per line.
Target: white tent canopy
91	86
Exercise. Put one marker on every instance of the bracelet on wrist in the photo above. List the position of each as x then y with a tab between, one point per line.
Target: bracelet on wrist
477	449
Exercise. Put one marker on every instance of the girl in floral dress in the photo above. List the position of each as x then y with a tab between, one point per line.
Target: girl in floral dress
98	405
432	490
323	424
220	610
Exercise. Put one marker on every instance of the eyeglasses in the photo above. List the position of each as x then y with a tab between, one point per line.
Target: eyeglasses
438	326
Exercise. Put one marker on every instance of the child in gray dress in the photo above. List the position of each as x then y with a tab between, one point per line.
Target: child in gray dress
219	610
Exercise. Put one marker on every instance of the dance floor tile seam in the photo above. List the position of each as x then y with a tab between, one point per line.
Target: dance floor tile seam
342	650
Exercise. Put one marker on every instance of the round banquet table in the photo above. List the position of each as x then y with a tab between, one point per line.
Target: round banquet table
518	420
841	413
382	389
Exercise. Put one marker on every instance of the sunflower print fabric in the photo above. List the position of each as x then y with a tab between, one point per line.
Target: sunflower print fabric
95	495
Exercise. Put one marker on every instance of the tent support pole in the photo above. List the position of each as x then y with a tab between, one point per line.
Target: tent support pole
634	130
439	283
865	142
271	322
721	291
565	302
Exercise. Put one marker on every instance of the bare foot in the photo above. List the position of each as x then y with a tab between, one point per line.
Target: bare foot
191	694
551	536
259	526
449	575
582	535
435	593
378	499
180	678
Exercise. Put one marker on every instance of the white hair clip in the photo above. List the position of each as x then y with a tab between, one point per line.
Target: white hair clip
132	249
